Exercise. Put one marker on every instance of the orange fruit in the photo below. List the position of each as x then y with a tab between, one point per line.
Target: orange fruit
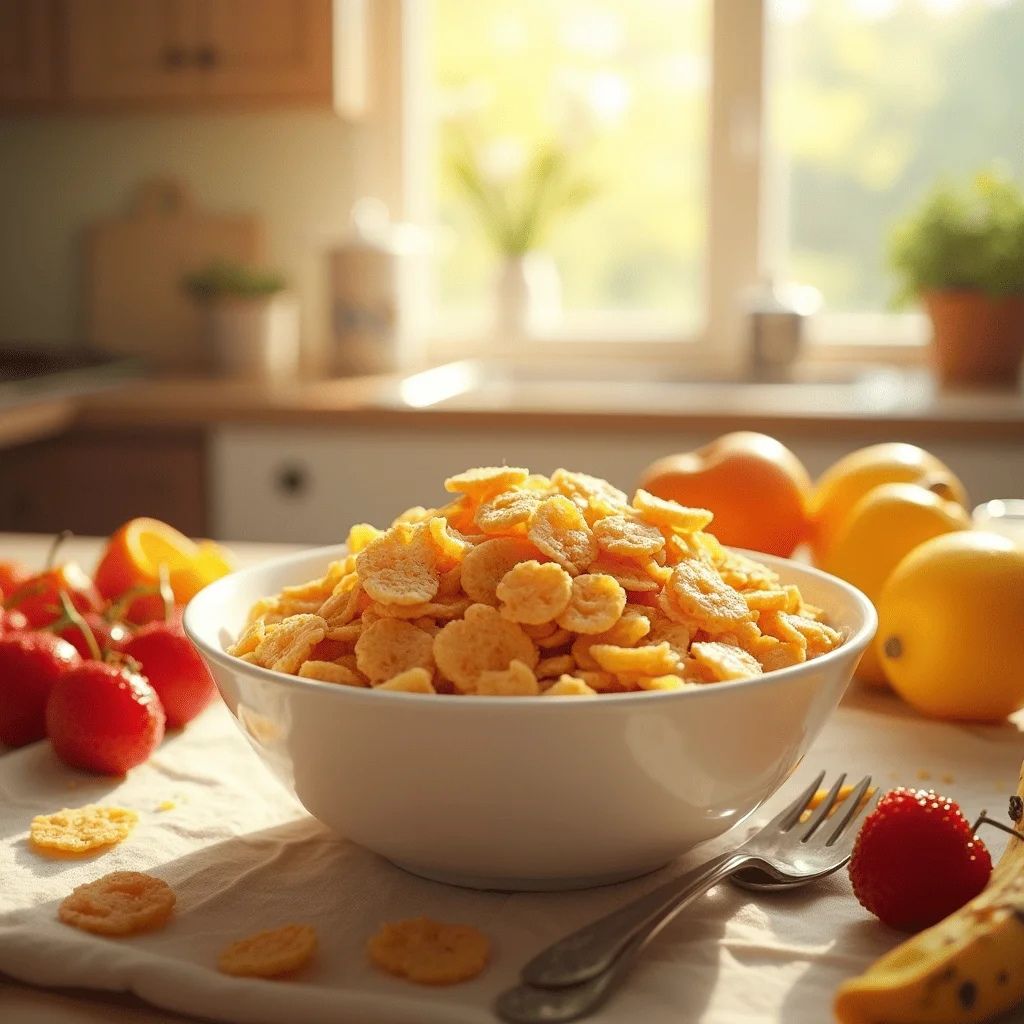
844	483
884	526
134	555
756	487
949	627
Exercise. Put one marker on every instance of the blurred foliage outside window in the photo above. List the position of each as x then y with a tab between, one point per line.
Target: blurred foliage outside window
870	102
622	85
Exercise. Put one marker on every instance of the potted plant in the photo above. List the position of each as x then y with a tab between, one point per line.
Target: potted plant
962	253
517	211
251	322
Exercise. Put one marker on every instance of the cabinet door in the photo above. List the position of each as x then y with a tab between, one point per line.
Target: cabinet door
272	49
131	51
26	52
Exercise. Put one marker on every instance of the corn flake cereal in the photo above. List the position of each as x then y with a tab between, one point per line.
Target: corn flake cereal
390	646
523	579
428	952
482	641
484	567
518	680
269	954
412	680
534	592
121	903
595	604
569	686
81	829
723	661
557	528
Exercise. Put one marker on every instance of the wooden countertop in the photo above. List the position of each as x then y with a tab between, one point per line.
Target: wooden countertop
375	401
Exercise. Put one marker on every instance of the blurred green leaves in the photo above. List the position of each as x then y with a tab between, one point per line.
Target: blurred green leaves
229	279
517	213
962	237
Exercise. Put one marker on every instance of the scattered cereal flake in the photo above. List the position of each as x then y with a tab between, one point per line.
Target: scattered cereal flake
486	481
628	537
482	641
166	805
628	573
595	605
289	645
557	528
79	829
724	661
390	646
485	565
518	680
400	567
631	628
428	952
412	680
665	682
947	779
662	512
121	903
332	672
270	953
508	512
534	592
597	679
923	774
558	665
699	593
655	660
569	686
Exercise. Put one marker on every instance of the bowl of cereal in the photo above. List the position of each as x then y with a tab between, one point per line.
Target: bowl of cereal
541	685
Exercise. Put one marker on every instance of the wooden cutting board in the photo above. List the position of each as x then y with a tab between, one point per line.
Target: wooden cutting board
134	302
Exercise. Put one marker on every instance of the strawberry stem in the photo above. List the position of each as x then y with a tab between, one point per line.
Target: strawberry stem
58	541
73	615
120	606
984	819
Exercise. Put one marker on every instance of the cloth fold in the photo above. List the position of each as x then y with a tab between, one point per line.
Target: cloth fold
242	856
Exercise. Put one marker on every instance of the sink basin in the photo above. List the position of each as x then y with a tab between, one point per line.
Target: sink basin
647	387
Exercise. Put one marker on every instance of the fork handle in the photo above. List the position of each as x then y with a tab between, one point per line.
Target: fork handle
592	949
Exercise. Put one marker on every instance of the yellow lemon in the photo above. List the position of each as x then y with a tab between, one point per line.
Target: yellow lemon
884	526
844	483
951	619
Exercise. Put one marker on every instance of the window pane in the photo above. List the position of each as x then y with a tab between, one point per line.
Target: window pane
623	86
871	101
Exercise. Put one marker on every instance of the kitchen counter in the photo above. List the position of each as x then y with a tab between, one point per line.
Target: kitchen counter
908	406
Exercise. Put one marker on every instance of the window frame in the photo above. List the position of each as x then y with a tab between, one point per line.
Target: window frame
396	163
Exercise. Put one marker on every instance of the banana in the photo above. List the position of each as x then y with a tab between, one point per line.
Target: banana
967	968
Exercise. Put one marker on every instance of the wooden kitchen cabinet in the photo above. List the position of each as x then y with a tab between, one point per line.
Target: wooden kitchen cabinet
141	55
27	71
91	481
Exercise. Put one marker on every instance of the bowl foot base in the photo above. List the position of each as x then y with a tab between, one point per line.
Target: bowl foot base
513	884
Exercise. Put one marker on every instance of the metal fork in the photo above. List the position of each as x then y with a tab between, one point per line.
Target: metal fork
585	967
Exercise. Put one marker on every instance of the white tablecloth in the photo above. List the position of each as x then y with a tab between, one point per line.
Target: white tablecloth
242	856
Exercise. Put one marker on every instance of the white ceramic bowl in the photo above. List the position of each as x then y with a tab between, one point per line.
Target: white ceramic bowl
535	792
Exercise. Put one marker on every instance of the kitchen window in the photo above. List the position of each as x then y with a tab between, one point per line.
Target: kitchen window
724	138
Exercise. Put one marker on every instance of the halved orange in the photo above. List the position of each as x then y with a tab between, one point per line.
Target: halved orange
133	558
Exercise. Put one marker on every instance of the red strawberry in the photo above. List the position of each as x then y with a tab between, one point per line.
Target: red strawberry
12	575
38	598
30	665
108	635
12	621
916	860
104	718
174	668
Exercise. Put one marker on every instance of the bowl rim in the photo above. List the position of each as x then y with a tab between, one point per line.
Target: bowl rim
856	643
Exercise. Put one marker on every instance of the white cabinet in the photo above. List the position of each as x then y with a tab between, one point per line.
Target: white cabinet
309	485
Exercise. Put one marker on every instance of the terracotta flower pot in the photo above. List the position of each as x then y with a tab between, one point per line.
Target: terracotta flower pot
976	338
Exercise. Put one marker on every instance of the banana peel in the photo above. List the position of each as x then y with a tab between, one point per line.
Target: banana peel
967	968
